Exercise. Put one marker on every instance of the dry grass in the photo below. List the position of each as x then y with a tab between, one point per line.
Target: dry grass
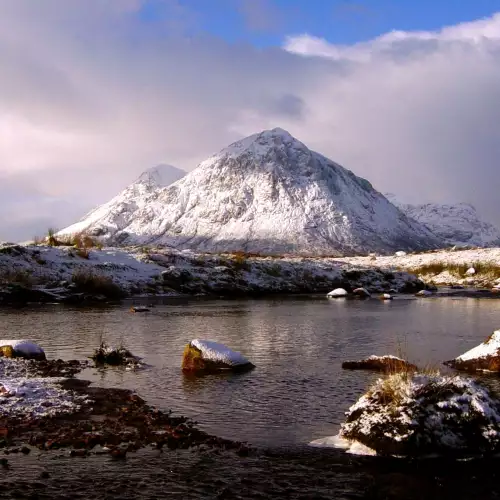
240	262
81	241
483	269
19	276
98	284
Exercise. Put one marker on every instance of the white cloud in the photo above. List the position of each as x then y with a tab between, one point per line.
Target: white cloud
90	95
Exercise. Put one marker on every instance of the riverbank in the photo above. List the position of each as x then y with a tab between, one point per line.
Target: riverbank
476	268
41	273
45	407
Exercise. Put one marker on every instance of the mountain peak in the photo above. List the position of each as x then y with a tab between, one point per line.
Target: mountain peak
161	175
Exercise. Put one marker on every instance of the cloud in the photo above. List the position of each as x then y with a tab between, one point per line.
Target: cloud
95	92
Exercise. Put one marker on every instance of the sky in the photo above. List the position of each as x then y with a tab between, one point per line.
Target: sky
93	92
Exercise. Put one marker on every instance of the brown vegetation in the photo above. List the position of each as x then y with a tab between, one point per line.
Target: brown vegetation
483	269
98	284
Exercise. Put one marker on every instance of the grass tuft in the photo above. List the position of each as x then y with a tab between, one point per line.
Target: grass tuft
98	284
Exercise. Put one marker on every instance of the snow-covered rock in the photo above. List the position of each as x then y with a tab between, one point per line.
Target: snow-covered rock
457	224
471	271
361	292
484	357
385	363
266	193
337	293
206	356
400	253
21	348
416	414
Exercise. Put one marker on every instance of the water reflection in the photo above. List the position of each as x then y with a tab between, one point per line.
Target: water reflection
298	391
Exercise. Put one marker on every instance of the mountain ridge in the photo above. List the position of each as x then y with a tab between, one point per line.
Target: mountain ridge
457	224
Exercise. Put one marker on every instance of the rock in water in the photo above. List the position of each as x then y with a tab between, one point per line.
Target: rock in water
21	348
484	357
385	296
362	293
424	293
386	363
266	193
417	414
206	356
338	292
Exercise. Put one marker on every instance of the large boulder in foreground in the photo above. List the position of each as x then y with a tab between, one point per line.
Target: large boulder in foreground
206	356
21	348
387	363
418	414
484	357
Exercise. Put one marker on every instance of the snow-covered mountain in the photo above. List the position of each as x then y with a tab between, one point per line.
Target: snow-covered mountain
456	224
265	193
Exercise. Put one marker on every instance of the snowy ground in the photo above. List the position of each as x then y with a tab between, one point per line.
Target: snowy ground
412	262
21	396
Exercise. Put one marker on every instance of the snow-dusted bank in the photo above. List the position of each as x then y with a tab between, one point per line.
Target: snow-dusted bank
415	414
451	266
39	273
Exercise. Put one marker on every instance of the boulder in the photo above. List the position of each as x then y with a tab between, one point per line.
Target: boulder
206	356
387	363
139	309
361	293
471	271
400	253
385	296
419	414
337	293
21	348
484	357
424	293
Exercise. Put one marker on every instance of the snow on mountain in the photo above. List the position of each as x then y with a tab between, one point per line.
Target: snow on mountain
161	176
456	224
265	193
135	197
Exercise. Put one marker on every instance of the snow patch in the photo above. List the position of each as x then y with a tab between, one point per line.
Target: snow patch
352	447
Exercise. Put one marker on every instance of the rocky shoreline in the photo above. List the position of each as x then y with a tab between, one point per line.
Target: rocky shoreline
46	274
104	421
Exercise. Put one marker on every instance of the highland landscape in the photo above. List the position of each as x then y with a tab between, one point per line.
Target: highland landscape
249	249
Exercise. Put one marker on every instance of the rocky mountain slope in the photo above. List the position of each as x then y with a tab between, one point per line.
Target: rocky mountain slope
456	224
265	193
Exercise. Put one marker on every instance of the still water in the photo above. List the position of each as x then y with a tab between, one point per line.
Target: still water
298	392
